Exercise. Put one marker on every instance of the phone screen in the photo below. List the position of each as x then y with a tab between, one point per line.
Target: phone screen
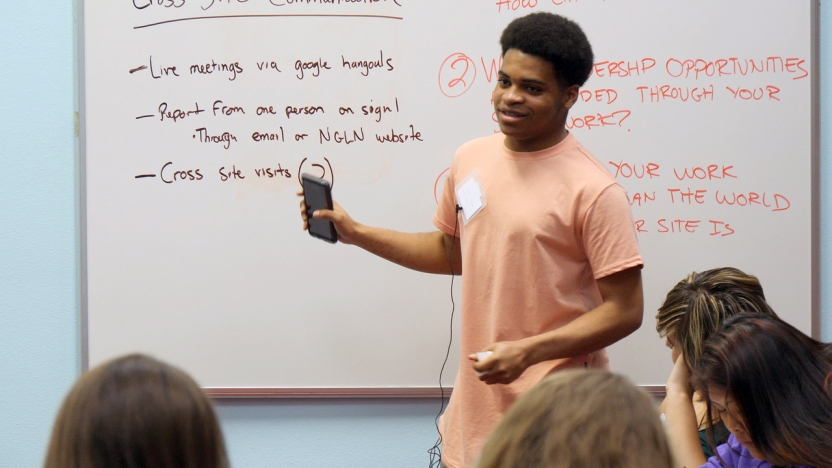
317	195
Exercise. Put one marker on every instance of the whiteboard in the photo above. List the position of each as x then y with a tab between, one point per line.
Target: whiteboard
198	116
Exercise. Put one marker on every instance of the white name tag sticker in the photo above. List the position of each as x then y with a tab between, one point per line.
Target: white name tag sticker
470	198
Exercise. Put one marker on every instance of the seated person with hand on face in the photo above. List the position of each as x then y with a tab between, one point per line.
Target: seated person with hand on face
693	310
771	386
136	412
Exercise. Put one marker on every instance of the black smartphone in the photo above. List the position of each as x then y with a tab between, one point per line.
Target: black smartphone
317	194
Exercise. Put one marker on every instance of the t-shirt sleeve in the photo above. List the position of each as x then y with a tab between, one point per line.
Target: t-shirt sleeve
445	215
609	234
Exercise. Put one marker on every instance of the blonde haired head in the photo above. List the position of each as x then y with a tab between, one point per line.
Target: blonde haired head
576	419
696	307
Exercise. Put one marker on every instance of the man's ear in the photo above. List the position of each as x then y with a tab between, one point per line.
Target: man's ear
570	96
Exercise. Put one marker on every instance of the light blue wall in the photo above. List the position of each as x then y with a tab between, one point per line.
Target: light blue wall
39	347
39	339
825	168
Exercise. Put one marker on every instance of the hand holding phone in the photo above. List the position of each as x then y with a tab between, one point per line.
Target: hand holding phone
317	195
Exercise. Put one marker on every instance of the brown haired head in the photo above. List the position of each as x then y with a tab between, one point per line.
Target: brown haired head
697	306
579	418
136	411
778	379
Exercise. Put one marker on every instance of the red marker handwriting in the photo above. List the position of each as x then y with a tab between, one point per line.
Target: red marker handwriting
606	95
622	68
640	198
776	202
491	69
439	178
514	5
755	94
598	120
697	68
639	171
720	228
711	172
676	93
687	196
456	75
678	225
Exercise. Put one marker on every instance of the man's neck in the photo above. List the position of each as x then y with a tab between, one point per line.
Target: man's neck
526	146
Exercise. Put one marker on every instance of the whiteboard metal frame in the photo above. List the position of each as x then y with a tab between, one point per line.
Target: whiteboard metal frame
815	161
83	293
358	392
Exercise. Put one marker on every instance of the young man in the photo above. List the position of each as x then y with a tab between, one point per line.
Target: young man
552	271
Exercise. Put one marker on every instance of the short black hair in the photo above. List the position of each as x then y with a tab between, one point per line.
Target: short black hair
558	40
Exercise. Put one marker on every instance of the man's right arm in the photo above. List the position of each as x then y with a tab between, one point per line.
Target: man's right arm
429	252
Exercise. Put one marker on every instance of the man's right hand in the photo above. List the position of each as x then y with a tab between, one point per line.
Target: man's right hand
344	225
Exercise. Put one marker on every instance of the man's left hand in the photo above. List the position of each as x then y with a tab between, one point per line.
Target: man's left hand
504	366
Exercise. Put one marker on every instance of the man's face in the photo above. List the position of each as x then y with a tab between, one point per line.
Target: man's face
531	106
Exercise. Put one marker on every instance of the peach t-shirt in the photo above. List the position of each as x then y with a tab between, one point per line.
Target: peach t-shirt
553	222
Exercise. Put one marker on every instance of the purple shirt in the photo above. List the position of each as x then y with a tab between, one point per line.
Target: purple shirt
736	456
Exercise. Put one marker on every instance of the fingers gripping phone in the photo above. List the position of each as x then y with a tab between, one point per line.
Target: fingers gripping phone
317	195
